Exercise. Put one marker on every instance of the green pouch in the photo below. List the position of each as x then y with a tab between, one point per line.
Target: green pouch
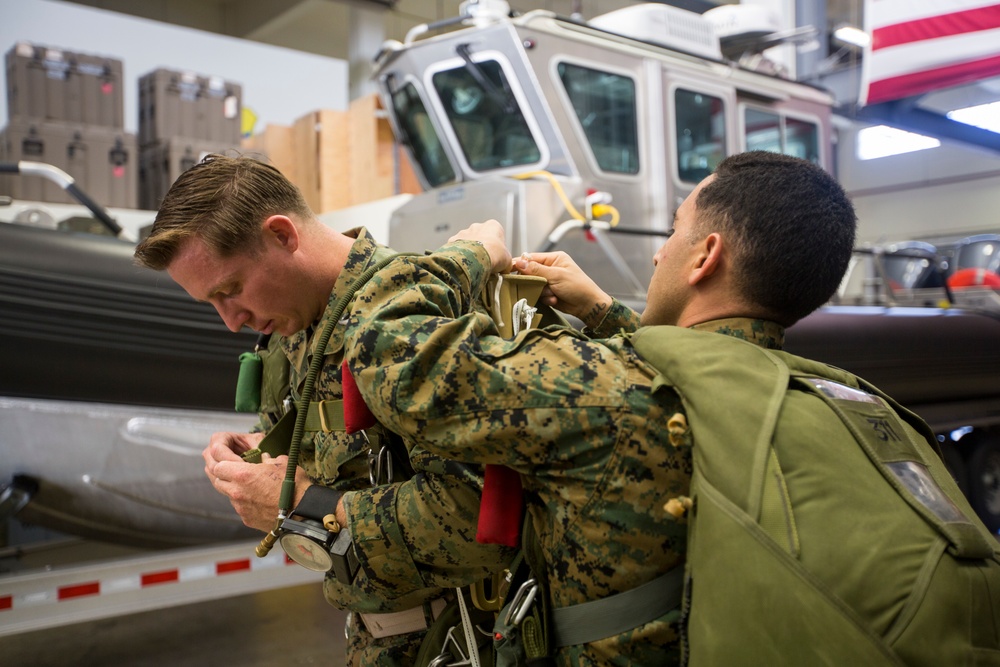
248	382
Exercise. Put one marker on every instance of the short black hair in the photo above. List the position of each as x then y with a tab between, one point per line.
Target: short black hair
790	226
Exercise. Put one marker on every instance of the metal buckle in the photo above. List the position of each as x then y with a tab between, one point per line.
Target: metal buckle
521	603
446	658
378	463
322	417
498	588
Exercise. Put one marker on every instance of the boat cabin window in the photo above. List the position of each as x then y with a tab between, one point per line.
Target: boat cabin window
605	105
419	134
485	115
769	131
700	134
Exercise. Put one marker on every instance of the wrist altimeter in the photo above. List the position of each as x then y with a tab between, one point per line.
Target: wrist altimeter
312	537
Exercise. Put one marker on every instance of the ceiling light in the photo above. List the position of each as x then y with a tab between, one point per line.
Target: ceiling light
883	141
986	116
848	34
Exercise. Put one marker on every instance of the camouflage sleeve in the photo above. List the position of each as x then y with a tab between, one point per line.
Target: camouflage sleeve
421	533
617	318
433	372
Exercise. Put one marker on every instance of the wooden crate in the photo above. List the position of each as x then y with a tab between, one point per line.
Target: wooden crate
276	144
379	166
339	158
323	159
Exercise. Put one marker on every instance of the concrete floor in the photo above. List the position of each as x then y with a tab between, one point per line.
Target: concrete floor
291	626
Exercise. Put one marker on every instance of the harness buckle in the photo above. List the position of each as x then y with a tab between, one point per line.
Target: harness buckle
321	409
521	603
378	463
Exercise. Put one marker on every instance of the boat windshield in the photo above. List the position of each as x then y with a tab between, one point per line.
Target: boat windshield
488	122
419	134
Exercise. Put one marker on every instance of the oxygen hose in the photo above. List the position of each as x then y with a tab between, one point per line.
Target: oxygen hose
288	484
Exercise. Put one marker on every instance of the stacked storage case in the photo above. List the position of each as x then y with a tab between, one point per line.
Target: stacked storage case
182	117
66	109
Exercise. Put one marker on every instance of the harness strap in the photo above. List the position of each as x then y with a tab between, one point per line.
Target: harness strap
325	416
598	619
322	416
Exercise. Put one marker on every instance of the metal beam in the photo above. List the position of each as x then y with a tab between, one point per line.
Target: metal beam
906	115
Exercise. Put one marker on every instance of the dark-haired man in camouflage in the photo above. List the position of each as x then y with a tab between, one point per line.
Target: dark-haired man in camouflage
603	450
236	233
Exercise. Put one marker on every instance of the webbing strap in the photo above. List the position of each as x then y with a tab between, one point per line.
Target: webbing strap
776	516
325	416
598	619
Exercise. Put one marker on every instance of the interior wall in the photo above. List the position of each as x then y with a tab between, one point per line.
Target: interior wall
938	194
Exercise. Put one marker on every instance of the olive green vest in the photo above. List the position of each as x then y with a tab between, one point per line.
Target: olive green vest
824	529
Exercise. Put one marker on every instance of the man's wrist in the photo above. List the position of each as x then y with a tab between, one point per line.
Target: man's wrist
341	512
319	502
595	315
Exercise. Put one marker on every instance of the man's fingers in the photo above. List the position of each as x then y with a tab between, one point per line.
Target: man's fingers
554	258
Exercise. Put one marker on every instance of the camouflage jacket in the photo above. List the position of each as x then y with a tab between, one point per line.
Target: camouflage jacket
576	416
412	538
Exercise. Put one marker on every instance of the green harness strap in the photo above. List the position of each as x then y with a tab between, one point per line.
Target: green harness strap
587	622
325	416
598	619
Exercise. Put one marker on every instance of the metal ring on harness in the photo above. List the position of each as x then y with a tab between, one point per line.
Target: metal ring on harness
378	463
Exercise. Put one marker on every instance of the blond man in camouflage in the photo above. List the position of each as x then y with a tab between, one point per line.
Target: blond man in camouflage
236	233
601	453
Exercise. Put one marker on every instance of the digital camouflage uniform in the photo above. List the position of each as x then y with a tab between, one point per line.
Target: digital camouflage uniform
413	539
575	416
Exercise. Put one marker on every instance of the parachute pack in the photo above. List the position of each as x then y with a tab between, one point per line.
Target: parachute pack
824	528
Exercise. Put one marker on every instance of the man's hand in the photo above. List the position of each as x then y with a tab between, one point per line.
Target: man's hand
252	488
569	289
229	447
491	235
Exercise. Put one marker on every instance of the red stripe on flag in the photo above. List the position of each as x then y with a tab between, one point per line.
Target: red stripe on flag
164	577
6	602
905	85
232	566
79	590
932	27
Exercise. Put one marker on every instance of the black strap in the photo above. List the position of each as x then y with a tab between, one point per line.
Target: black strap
317	502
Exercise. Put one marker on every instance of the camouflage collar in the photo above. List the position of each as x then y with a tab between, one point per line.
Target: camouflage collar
765	333
360	257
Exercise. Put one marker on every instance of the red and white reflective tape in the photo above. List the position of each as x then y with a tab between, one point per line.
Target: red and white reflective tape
121	584
32	600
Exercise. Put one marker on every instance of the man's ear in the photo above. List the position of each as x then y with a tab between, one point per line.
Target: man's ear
281	230
708	260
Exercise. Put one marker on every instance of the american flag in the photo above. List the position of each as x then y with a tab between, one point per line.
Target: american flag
922	45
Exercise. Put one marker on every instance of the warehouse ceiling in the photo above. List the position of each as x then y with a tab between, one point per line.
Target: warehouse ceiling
319	26
353	30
